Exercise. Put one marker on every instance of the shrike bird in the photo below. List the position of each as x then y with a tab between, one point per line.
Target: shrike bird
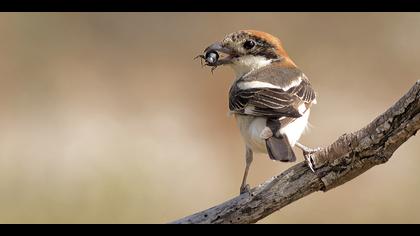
270	97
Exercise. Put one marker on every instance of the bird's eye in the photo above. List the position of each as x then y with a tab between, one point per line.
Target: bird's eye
249	44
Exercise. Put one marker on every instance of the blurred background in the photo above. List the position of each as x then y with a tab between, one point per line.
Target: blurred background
106	117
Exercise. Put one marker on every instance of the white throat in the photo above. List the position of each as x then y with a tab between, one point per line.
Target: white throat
246	64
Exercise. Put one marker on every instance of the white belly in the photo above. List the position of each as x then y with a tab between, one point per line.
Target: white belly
251	128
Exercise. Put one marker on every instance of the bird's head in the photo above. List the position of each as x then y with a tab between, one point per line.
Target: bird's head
245	50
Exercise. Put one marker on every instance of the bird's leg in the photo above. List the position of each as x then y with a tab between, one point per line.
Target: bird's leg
248	157
307	153
306	149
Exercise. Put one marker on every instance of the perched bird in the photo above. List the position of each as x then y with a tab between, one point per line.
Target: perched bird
270	97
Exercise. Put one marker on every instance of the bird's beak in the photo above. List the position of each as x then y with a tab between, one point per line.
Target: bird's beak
220	48
217	47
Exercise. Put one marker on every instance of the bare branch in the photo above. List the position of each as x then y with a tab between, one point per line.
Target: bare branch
348	157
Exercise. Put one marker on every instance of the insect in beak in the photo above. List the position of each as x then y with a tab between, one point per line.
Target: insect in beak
211	58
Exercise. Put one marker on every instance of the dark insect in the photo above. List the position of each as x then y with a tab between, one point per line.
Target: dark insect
211	58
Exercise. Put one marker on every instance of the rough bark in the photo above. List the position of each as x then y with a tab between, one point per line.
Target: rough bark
349	156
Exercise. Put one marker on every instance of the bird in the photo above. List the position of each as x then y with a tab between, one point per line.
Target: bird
270	96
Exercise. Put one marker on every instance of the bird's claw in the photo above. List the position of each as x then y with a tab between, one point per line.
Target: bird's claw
310	162
308	154
245	189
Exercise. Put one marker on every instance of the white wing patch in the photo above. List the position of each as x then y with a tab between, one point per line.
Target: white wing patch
294	83
256	84
259	84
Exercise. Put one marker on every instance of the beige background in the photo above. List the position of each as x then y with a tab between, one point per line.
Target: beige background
105	118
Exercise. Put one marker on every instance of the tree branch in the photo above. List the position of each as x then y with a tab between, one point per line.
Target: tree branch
349	156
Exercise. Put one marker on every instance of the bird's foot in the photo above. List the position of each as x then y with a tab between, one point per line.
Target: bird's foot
308	154
245	189
310	160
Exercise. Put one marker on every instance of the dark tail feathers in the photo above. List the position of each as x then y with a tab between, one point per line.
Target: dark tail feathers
279	149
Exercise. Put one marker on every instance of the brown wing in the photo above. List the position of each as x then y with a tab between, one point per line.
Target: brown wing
279	100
